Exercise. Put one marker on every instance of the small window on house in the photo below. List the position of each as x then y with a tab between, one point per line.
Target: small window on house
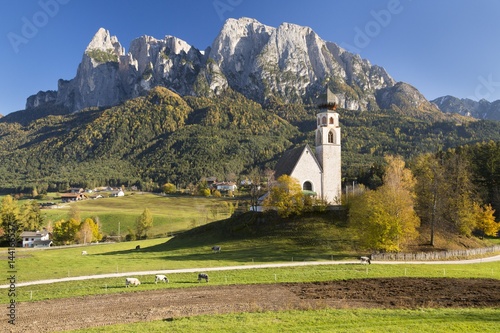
323	121
331	121
307	186
330	137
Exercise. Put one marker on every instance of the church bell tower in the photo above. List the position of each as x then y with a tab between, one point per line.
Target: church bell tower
328	148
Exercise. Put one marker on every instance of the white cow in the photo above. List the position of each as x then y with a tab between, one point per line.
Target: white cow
132	281
161	278
84	253
365	260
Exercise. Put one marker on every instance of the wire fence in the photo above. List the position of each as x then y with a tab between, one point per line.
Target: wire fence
438	255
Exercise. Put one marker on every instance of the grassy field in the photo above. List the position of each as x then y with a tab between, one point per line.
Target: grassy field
264	275
326	320
171	213
244	241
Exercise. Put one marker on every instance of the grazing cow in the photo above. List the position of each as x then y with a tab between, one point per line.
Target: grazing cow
216	248
138	247
132	281
202	276
365	260
161	278
84	253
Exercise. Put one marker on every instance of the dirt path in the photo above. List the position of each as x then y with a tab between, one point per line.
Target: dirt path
81	312
229	268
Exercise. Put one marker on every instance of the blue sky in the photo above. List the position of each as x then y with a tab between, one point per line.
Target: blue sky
446	47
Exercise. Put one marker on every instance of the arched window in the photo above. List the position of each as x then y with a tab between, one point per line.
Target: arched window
318	138
331	121
307	186
323	121
330	137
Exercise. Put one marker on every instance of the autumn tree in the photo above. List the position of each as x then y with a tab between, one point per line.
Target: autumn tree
31	216
286	197
65	232
485	220
9	213
385	218
89	231
143	223
169	188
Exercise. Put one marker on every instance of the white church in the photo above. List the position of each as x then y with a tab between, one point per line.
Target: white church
319	172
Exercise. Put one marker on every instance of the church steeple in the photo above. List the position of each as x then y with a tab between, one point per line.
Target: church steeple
328	146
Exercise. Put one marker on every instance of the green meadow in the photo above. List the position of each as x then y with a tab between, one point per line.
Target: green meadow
245	240
244	276
171	213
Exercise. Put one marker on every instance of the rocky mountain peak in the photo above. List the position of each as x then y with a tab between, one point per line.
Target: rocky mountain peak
290	63
103	41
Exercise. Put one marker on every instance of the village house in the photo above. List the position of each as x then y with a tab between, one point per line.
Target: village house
69	197
118	193
209	180
36	238
225	186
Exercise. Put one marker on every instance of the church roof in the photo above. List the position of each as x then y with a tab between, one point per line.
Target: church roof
289	160
328	100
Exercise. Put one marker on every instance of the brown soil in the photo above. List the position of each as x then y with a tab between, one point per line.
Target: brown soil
166	304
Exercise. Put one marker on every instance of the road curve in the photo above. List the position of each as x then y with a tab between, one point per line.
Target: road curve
230	268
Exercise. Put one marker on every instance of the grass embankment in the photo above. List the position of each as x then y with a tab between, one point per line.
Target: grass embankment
325	320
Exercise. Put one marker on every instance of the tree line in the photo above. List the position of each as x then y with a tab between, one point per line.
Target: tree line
455	192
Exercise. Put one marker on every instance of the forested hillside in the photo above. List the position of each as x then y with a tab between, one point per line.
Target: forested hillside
163	137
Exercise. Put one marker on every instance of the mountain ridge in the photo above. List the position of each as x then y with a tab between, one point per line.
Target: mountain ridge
290	63
481	109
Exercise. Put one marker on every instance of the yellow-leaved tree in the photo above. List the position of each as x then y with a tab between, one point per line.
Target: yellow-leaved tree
385	219
286	197
485	220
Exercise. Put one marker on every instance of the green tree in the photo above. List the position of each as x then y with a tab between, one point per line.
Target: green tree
143	223
286	197
431	192
461	193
